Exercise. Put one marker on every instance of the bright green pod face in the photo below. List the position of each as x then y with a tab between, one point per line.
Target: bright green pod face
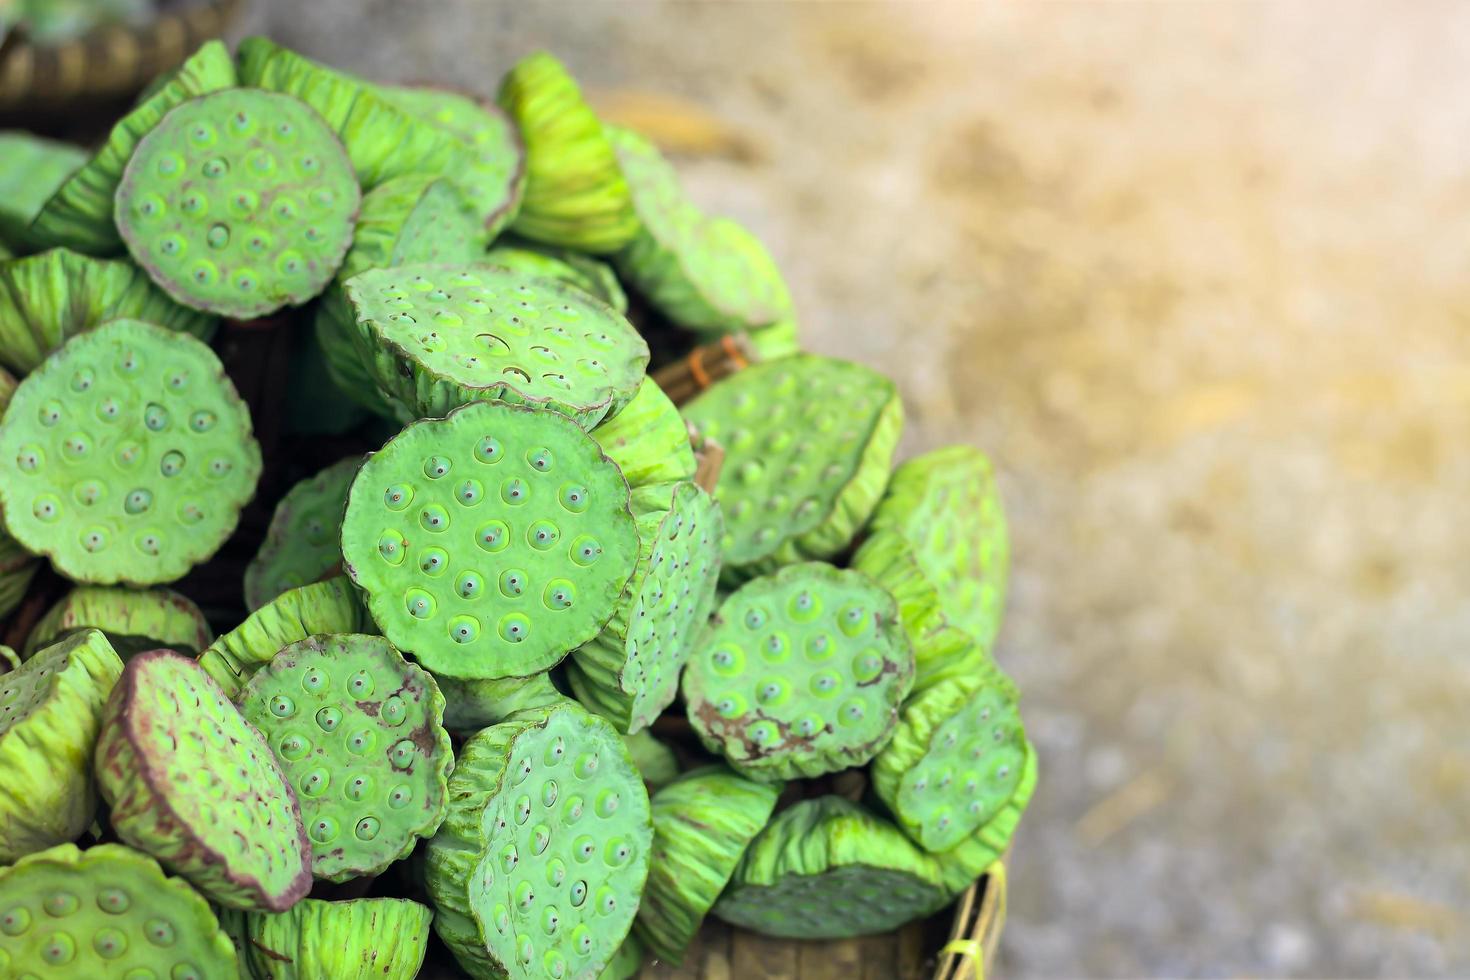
133	619
132	456
47	298
50	713
573	268
301	544
193	784
439	336
31	169
801	673
108	911
828	869
239	202
972	857
808	444
537	870
490	543
648	438
361	939
80	214
359	733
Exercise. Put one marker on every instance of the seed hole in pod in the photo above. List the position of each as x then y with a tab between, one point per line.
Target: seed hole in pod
514	491
436	467
470	492
328	718
571	810
583	849
88	492
220	466
819	647
315	782
548	793
282	706
764	733
400	797
420	604
30	458
513	583
509	858
852	712
559	594
464	629
434	518
46	508
433	561
574	498
323	830
367	828
293	746
361	742
540	460
608	802
607	901
394	711
489	450
730	705
825	683
149	543
585	550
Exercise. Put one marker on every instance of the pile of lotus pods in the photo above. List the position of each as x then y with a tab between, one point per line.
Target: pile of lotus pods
437	718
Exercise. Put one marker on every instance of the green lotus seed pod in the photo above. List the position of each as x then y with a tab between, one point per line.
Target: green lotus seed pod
80	214
575	191
961	865
802	673
630	672
573	268
9	659
438	336
828	869
775	341
708	275
46	298
194	784
8	384
626	962
808	444
31	169
301	543
362	939
133	619
132	456
359	733
107	911
322	607
537	869
655	760
50	713
490	543
955	759
17	568
648	438
701	825
471	705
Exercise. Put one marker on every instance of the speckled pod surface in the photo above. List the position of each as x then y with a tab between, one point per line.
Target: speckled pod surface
133	456
31	169
648	438
193	784
590	275
129	617
962	864
361	939
301	544
470	705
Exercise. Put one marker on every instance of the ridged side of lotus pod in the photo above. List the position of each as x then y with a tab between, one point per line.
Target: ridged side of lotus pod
656	762
361	939
80	214
801	673
702	824
492	542
331	606
108	911
9	659
630	672
192	783
438	336
301	544
828	869
470	705
133	456
8	385
157	617
626	962
648	438
359	732
961	865
573	268
17	567
808	444
31	169
576	194
47	298
50	714
537	869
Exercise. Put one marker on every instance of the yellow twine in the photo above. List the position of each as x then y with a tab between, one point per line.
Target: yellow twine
972	948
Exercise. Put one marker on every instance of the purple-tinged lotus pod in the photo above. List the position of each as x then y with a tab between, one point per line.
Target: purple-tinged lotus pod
647	438
301	544
133	619
360	939
192	783
470	705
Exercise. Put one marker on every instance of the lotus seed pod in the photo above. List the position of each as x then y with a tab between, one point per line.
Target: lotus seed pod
828	869
359	733
17	568
9	659
708	275
961	865
655	760
537	869
626	962
301	544
776	341
475	704
133	619
80	214
31	169
46	298
808	444
490	543
954	761
802	673
438	336
576	195
107	911
648	438
377	938
321	607
8	384
702	824
50	713
132	456
194	784
630	672
573	268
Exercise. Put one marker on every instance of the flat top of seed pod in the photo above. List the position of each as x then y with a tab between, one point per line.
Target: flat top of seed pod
492	542
800	434
359	733
827	868
490	333
108	911
802	673
132	456
160	617
31	168
301	544
239	202
211	773
547	262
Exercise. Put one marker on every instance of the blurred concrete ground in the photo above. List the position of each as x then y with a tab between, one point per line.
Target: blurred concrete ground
1196	276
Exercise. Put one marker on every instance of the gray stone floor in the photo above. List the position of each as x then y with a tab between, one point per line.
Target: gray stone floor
1196	276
